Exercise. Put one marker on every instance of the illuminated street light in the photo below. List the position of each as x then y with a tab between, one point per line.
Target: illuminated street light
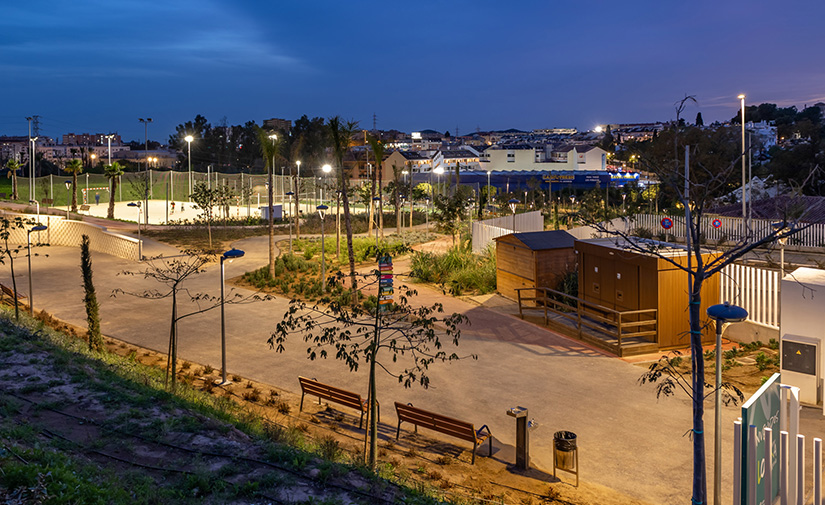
68	197
322	209
228	255
39	227
513	202
189	139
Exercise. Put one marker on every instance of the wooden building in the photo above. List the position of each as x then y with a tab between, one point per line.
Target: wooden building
533	259
615	277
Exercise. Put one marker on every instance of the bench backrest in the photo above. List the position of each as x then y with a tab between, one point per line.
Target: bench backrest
84	207
437	422
331	393
7	291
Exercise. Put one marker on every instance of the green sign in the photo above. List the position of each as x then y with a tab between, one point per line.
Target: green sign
761	410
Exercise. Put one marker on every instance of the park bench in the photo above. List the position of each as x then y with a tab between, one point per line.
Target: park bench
334	394
46	201
443	424
8	292
84	208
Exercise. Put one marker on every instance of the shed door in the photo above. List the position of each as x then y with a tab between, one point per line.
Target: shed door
626	292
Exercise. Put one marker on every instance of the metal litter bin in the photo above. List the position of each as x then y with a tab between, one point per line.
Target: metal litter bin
566	453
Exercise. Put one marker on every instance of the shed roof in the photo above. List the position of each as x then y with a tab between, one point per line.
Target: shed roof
542	240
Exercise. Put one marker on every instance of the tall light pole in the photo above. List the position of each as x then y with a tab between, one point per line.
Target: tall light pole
228	255
189	139
376	200
33	152
298	201
322	209
145	134
326	169
744	200
289	194
271	173
488	200
722	313
405	173
39	227
140	242
109	141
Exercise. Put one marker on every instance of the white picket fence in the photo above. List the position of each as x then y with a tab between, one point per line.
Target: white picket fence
754	289
485	231
731	229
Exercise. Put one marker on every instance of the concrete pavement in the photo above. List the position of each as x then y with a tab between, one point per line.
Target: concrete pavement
628	440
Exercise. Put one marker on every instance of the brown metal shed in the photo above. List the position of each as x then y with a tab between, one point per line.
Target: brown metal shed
612	276
533	259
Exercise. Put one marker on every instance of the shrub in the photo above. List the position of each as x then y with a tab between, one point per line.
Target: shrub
458	269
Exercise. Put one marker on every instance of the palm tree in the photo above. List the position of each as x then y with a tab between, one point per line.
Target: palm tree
13	166
341	135
74	167
113	173
270	148
378	154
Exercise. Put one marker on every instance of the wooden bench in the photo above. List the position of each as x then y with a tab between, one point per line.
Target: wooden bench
84	208
334	394
7	291
443	424
47	201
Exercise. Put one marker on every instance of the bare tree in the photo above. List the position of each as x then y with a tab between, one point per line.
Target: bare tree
364	333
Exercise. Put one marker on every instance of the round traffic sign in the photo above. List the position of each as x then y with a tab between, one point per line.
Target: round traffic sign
667	223
716	223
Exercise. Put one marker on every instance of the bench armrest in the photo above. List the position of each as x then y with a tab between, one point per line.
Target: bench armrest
479	433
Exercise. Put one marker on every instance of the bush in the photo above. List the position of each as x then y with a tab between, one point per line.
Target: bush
458	269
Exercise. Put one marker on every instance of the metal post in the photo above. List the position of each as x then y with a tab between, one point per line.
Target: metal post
717	432
737	462
31	295
817	471
800	469
783	467
768	464
223	324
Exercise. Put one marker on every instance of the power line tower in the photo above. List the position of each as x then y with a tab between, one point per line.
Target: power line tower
374	122
36	126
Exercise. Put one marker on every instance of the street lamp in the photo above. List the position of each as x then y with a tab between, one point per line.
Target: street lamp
438	171
744	202
289	194
68	197
145	133
33	140
298	201
376	200
109	141
405	173
513	202
38	209
322	209
39	227
326	169
140	242
189	139
722	313
488	187
228	255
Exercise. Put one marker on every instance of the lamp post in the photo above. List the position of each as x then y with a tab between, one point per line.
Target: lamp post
326	169
744	201
405	173
68	197
489	172
298	201
39	227
722	313
37	204
145	134
322	209
376	200
624	195
140	242
109	141
31	170
189	139
513	202
438	171
228	255
289	194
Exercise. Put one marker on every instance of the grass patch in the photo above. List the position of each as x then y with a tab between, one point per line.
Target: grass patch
458	270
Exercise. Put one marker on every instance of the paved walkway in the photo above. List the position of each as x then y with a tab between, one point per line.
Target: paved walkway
628	440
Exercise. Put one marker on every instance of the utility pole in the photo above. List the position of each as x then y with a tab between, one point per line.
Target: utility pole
145	137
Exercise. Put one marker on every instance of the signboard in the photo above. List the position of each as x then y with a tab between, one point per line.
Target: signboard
761	410
716	223
667	223
385	290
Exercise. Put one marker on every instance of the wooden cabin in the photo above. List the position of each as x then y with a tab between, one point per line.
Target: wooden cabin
615	277
533	259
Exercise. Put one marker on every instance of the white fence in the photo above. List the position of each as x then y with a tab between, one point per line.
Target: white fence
485	231
66	232
730	229
754	289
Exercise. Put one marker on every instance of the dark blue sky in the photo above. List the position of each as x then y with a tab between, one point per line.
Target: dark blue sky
95	66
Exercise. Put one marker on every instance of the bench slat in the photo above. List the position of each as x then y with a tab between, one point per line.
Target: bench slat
436	422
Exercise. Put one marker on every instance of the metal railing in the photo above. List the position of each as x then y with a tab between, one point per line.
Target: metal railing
613	324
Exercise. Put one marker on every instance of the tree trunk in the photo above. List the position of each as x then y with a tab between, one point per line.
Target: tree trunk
110	213
74	192
271	225
698	374
371	205
14	184
373	397
397	203
348	227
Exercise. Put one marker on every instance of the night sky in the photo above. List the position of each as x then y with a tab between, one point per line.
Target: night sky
95	66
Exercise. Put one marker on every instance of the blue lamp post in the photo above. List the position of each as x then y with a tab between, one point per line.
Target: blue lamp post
322	209
513	202
722	313
140	242
289	194
228	255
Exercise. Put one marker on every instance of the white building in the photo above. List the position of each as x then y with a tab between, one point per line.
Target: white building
524	157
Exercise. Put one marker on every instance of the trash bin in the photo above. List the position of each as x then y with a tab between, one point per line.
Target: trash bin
565	445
